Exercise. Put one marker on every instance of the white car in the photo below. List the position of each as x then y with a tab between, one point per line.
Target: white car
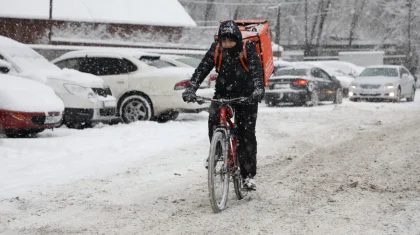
143	92
383	82
86	97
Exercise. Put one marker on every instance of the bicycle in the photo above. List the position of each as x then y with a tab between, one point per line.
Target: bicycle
223	160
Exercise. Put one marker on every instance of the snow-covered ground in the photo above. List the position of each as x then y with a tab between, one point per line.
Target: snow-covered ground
333	169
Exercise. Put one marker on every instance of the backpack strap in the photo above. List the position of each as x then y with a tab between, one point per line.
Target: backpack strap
243	57
217	59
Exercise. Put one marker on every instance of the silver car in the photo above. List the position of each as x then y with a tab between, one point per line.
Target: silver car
384	82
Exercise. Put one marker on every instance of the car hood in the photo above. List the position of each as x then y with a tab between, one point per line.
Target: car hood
25	95
376	80
65	75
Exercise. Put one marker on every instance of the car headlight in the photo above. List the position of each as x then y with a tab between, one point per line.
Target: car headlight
389	85
81	91
353	86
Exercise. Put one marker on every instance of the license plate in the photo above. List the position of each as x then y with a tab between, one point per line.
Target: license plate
281	86
110	104
369	92
52	119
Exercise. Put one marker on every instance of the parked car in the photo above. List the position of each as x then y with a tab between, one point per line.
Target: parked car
332	70
303	85
143	92
27	107
86	97
384	82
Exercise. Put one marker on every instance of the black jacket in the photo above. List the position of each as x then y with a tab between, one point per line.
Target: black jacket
232	81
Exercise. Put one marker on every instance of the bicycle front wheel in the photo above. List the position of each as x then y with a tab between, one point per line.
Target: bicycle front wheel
218	174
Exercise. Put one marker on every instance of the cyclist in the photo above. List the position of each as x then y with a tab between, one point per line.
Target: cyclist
234	81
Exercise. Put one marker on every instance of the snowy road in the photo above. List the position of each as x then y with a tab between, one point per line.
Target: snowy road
347	169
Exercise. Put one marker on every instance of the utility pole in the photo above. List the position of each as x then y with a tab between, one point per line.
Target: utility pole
410	10
50	22
306	22
278	28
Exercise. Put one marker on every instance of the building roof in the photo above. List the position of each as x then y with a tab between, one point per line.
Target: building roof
154	13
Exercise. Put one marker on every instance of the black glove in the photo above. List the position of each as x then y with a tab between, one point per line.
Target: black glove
257	95
189	96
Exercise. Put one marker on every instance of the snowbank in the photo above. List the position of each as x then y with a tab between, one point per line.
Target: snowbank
21	94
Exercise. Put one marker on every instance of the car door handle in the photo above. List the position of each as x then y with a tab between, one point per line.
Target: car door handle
120	82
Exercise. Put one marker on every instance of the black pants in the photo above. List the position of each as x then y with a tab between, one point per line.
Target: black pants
245	119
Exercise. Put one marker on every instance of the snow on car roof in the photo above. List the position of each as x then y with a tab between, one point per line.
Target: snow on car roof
115	52
385	66
23	57
156	12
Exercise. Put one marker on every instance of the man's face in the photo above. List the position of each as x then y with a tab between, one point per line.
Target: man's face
228	44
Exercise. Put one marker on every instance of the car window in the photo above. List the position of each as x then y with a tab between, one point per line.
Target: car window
102	66
404	71
316	73
193	62
291	72
70	63
324	75
373	72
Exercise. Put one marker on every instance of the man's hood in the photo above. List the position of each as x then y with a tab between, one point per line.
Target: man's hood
230	27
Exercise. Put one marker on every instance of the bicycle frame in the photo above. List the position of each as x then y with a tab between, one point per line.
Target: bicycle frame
226	115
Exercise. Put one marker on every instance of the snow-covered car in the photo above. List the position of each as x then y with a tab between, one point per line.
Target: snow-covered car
143	92
27	107
387	82
344	66
86	97
302	85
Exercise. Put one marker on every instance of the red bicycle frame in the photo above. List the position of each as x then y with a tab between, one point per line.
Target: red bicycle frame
226	115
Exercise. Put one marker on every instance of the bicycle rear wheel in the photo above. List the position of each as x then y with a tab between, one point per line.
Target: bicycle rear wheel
218	174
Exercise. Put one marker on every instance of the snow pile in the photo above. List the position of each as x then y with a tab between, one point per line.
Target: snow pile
21	94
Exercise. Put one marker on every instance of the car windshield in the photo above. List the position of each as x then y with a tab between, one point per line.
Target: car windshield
193	62
373	72
291	72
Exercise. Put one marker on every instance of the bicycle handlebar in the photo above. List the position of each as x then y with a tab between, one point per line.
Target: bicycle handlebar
200	99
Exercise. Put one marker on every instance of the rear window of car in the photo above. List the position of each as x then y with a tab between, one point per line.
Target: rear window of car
291	72
373	72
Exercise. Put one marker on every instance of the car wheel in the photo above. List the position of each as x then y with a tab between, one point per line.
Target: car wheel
313	99
413	93
168	116
338	99
398	97
136	108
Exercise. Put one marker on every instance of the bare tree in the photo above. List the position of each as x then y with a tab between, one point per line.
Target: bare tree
322	21
355	19
208	11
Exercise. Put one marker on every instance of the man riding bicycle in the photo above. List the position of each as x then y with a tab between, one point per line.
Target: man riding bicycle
234	81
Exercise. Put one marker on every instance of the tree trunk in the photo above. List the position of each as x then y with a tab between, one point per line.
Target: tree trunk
208	12
236	14
322	21
355	19
315	22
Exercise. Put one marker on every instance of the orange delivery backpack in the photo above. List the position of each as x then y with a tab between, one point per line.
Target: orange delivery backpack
256	31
